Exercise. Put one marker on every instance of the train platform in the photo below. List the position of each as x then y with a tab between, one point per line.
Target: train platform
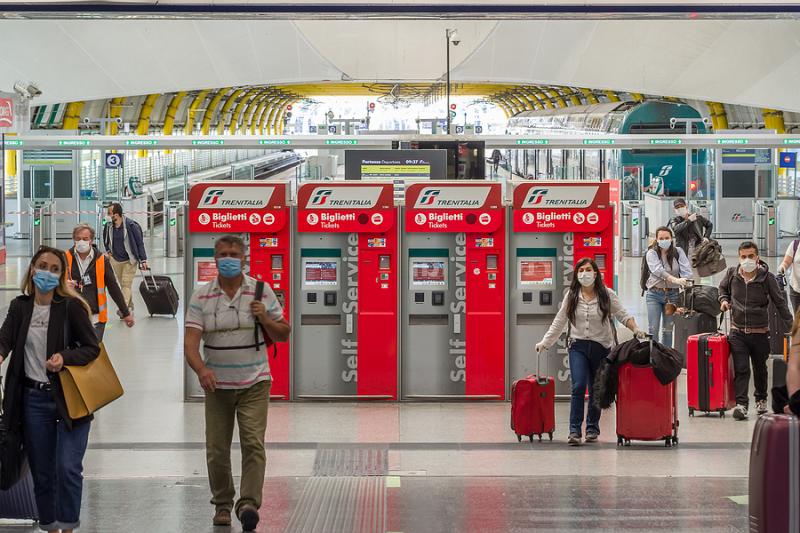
395	467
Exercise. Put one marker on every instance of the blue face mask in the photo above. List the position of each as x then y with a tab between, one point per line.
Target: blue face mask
229	267
665	243
45	281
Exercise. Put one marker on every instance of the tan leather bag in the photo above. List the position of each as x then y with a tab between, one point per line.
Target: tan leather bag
88	388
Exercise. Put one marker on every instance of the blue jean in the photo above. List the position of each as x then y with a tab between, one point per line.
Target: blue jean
584	360
656	319
56	459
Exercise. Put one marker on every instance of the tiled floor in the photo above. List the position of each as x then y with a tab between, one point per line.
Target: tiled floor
444	467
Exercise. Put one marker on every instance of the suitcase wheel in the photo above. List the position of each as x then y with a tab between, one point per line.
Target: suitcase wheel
620	441
668	442
540	437
519	438
691	411
551	435
675	441
627	442
721	413
531	437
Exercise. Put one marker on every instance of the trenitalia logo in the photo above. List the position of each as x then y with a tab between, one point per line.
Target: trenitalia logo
236	198
452	197
344	198
574	197
429	196
320	196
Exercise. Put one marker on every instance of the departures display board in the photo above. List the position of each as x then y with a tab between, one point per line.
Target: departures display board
390	164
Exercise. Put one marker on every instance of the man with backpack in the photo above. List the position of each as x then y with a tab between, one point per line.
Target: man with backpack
690	229
747	291
237	317
124	245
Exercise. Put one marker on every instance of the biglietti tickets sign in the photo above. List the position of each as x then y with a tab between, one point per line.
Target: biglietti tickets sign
345	207
561	207
454	207
227	206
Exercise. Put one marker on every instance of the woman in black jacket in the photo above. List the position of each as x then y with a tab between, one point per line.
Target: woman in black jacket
46	328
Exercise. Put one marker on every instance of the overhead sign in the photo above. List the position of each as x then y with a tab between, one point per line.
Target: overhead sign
234	207
114	161
565	206
395	164
788	160
453	207
6	113
345	207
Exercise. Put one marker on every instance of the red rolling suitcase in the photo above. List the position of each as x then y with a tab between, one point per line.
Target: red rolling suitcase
646	409
533	407
774	501
709	374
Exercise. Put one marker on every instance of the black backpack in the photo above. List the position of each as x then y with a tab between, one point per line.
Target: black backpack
645	273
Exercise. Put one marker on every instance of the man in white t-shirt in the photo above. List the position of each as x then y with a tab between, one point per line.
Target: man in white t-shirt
234	321
792	260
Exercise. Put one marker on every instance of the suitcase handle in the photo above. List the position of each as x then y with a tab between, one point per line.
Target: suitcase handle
724	319
539	378
152	278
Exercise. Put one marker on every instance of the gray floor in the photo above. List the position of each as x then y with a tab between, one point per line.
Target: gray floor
393	467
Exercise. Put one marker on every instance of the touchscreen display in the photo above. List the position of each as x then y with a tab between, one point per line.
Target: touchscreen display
536	271
428	273
320	273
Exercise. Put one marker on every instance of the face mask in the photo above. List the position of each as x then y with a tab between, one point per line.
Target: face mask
82	246
681	211
45	281
586	278
664	243
229	267
748	265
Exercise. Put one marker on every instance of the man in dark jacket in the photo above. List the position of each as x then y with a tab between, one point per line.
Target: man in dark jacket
689	228
124	243
90	273
746	290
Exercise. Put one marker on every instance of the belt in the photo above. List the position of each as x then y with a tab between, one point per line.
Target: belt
748	331
38	385
663	289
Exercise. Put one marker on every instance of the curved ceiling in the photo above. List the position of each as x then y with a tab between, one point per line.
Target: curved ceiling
747	62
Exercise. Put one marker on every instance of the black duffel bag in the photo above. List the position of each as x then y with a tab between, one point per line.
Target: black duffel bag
701	298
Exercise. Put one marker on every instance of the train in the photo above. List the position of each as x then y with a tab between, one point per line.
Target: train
649	117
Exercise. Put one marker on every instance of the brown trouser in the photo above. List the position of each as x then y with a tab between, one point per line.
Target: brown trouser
125	271
249	408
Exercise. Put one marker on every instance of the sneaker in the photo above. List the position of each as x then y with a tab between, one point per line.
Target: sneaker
591	437
574	439
740	412
222	517
248	516
761	407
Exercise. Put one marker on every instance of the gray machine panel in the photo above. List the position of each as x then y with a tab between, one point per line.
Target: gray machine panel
325	316
536	287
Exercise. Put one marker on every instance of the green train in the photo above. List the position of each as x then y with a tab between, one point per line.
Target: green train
651	117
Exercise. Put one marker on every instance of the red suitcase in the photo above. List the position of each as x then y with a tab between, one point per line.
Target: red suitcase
533	406
774	499
646	409
709	374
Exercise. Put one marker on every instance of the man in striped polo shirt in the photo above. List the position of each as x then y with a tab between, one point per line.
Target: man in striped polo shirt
234	373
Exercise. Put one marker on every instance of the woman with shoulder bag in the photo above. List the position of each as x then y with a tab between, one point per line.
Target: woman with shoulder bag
587	312
792	260
46	328
669	270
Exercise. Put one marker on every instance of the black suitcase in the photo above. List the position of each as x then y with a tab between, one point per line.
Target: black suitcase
688	324
18	502
159	294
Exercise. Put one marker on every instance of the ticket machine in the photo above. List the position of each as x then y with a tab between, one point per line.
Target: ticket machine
345	318
258	212
554	225
453	292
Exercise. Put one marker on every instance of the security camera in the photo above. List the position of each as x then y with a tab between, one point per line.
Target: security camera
118	121
27	90
87	121
705	121
672	123
454	38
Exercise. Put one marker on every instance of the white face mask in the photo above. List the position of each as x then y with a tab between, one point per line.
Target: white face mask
748	265
664	243
586	278
681	211
82	246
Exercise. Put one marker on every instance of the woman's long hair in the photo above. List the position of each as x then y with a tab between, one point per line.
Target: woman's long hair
599	288
672	251
63	289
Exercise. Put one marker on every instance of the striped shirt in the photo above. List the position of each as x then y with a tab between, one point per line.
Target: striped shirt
227	323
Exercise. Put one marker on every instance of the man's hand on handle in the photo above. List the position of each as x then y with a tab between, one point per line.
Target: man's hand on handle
725	306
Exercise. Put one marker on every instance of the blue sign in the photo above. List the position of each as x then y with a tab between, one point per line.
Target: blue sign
788	160
114	161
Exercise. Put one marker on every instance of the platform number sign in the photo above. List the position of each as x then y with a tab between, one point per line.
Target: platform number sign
114	161
459	130
478	130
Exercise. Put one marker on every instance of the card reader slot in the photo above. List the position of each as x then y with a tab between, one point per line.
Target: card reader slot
321	320
427	320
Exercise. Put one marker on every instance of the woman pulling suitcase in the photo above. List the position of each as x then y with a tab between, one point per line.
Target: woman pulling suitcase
587	312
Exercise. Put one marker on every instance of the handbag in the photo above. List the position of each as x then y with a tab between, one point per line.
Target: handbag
89	387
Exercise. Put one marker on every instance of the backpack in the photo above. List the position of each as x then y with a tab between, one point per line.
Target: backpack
644	274
258	326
